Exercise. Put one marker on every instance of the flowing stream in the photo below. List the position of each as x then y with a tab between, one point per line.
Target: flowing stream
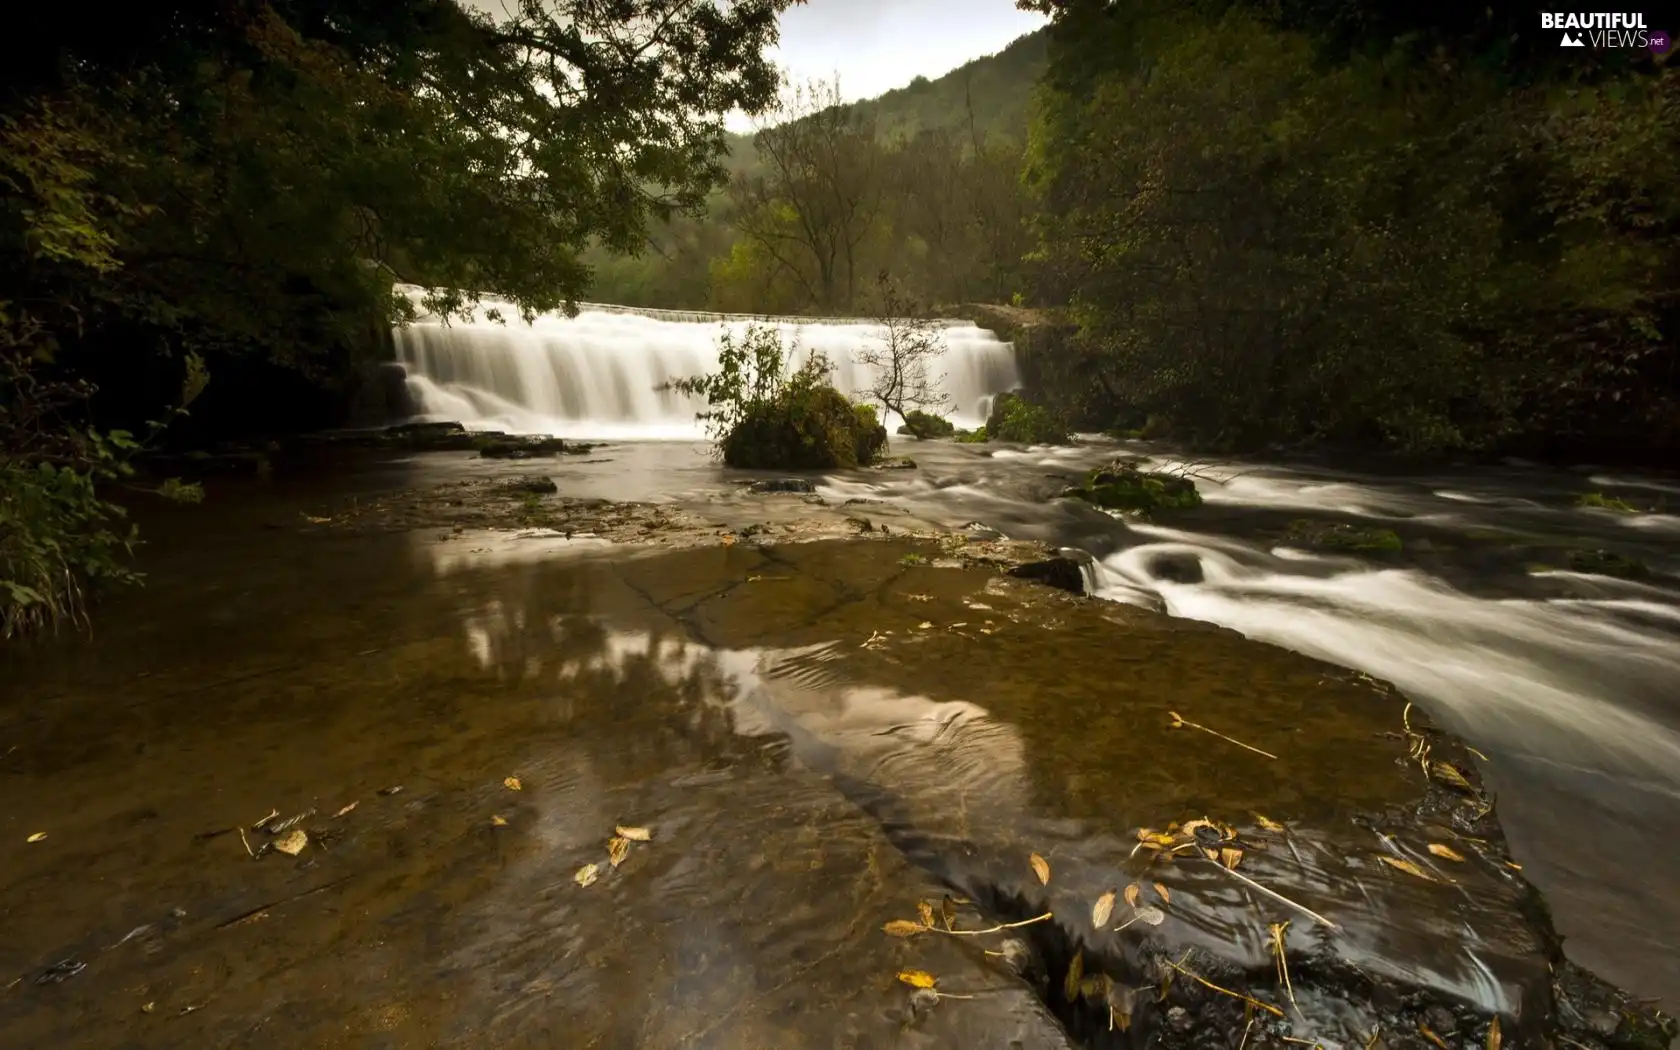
1566	680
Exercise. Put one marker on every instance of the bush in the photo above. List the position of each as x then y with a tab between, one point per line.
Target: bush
1127	488
1341	536
1014	418
919	424
764	418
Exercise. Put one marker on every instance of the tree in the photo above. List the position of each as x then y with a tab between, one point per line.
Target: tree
909	343
815	203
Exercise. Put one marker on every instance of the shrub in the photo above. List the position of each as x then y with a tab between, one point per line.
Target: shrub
919	424
762	417
1127	488
1014	418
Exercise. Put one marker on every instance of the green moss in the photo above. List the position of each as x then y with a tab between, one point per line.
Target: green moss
972	437
1603	502
1127	488
1608	563
1341	536
805	428
919	424
913	559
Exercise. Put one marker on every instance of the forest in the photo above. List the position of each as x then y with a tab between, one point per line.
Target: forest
1239	224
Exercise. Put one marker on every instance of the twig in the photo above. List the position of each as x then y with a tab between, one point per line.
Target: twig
994	929
1278	929
1180	720
1275	895
247	843
1249	1027
1268	1007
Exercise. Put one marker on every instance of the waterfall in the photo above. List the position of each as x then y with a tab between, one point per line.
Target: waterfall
599	374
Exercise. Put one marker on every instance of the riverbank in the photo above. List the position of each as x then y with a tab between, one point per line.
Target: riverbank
822	725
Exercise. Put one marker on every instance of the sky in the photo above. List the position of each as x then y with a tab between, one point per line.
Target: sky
877	45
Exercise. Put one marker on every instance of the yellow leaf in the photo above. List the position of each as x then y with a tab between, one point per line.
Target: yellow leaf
1075	974
1132	894
1230	857
1408	867
1146	834
618	847
1102	910
918	978
1494	1037
1190	828
1166	898
634	834
1432	1037
925	910
924	625
1041	868
498	822
729	541
148	1008
1268	823
1451	775
1445	852
345	810
37	837
513	784
587	874
292	842
1160	841
902	928
1513	865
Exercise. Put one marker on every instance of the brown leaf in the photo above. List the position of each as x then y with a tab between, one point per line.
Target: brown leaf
1452	776
1095	987
1494	1036
292	842
903	928
345	810
1230	857
1432	1037
1041	868
1445	852
1132	894
947	911
37	837
1269	824
1103	910
634	834
1408	867
498	822
1161	890
925	909
1189	830
918	978
1075	974
618	847
587	874
512	784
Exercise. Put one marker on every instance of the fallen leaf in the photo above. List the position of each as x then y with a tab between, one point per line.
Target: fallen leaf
1513	865
729	541
1103	910
1132	894
947	911
1152	915
1190	828
1161	890
634	834
1445	852
1432	1037
393	790
1408	867
1230	857
292	842
37	837
918	978
148	1008
924	625
259	825
1041	868
1145	834
1494	1036
1268	823
618	847
587	874
903	928
1075	974
345	810
498	822
1451	775
1095	987
925	910
513	784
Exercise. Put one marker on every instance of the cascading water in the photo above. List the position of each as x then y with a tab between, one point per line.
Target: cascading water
601	373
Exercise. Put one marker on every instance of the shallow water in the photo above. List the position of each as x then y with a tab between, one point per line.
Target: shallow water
817	736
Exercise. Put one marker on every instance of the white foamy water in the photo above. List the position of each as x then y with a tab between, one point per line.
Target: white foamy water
601	374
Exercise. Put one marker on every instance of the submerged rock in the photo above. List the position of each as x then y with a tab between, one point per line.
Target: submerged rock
782	485
1062	573
504	447
535	484
1122	486
1608	563
1342	536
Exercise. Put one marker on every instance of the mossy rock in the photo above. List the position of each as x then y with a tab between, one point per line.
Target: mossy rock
1602	502
1608	563
1123	487
1341	536
1014	418
971	437
919	424
805	428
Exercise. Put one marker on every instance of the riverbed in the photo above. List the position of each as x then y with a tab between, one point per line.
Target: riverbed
814	746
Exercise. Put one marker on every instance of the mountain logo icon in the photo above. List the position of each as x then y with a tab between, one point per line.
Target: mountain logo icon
1570	40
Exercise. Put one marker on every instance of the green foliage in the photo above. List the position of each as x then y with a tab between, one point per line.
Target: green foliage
972	437
1608	563
1014	418
759	415
1602	502
1122	487
1341	536
921	424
